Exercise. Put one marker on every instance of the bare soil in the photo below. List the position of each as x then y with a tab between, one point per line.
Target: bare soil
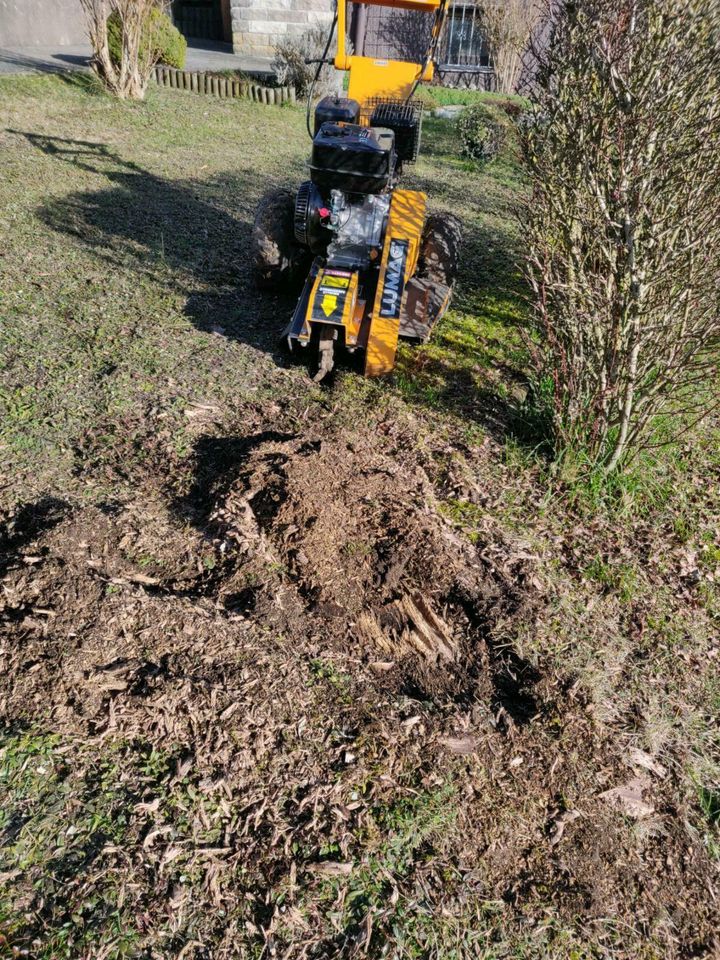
294	621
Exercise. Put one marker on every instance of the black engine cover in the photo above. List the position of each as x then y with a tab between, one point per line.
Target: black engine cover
336	110
352	158
404	119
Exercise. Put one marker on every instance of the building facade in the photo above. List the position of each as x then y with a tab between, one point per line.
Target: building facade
463	57
41	23
257	27
254	27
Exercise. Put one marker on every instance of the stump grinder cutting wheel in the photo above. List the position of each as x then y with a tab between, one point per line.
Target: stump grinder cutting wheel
377	266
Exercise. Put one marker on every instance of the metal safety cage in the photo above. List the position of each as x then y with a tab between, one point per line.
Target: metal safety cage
403	117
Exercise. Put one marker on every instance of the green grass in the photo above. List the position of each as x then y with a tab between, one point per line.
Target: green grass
131	333
445	96
57	820
620	578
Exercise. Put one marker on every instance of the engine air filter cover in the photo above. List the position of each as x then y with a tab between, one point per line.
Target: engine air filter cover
403	117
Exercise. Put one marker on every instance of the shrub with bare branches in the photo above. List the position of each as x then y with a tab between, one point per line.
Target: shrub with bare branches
624	223
509	27
128	78
291	67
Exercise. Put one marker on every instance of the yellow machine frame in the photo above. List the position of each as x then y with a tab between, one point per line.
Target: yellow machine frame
371	77
335	297
405	222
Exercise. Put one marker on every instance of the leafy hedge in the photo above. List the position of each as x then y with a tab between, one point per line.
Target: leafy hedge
160	37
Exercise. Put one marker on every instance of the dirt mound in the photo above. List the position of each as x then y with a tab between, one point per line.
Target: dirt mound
317	654
338	535
326	542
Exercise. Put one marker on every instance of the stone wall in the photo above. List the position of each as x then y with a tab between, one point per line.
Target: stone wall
41	23
258	26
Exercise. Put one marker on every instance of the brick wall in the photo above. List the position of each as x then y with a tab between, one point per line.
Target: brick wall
257	26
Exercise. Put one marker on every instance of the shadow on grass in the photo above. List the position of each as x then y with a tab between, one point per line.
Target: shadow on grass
72	70
475	367
194	237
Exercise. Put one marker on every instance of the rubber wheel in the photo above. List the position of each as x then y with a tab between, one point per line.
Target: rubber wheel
279	263
440	248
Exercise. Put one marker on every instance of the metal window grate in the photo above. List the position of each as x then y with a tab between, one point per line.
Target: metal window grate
384	33
463	44
390	34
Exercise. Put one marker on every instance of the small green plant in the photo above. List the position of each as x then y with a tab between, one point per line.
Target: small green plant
325	670
356	549
709	803
482	132
462	512
161	39
620	578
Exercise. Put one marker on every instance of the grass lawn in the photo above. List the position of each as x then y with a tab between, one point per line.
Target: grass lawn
307	672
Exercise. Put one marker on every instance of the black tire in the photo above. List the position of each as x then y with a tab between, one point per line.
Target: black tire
440	248
279	263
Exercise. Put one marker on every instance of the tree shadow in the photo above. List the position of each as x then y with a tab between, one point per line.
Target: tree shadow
28	522
72	69
191	235
26	63
216	462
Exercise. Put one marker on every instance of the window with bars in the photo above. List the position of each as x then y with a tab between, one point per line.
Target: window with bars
463	43
404	34
394	34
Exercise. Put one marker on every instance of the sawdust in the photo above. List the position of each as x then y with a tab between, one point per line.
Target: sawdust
302	630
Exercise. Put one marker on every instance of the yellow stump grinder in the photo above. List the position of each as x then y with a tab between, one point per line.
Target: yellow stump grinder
377	266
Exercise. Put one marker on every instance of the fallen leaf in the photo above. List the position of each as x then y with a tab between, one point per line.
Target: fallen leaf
639	758
330	868
559	826
461	746
629	798
143	579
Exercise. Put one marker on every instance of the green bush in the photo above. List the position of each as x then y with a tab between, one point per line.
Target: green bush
161	39
482	132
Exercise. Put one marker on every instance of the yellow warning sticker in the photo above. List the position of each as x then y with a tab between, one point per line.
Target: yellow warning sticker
328	304
331	297
336	282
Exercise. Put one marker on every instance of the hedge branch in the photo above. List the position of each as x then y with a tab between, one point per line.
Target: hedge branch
623	228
